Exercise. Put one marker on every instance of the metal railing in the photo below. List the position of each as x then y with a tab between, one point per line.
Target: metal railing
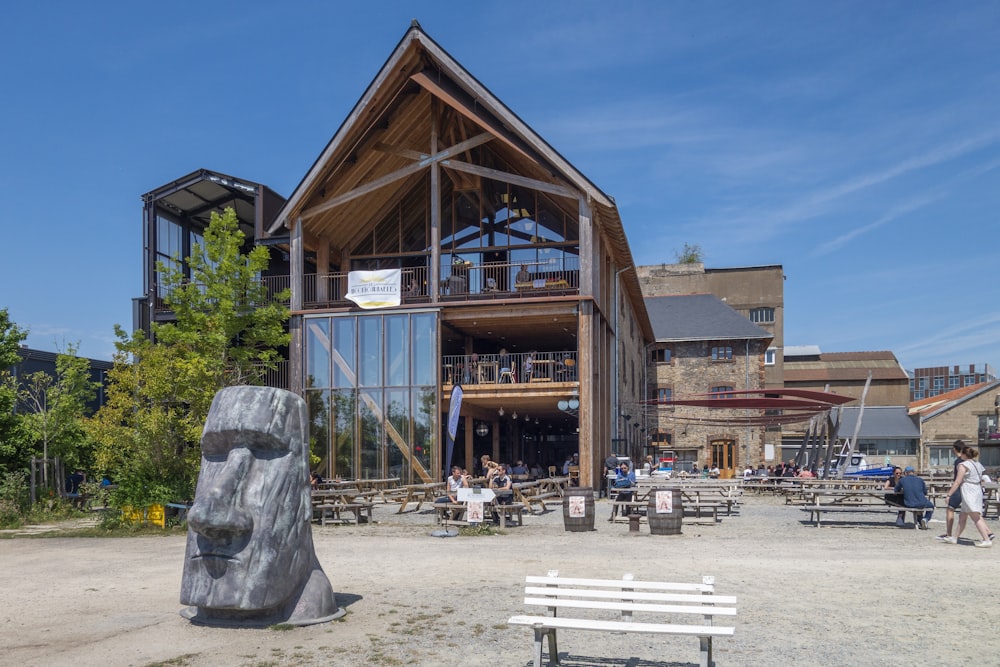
479	369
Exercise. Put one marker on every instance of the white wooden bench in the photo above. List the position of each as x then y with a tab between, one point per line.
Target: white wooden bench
611	605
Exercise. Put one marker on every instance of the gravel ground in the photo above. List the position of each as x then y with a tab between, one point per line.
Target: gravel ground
859	593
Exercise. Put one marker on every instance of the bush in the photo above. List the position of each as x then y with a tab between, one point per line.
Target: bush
14	499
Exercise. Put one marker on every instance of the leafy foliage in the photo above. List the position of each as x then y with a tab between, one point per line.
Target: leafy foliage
228	331
11	436
691	254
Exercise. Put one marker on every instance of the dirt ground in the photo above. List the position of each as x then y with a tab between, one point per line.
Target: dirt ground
849	594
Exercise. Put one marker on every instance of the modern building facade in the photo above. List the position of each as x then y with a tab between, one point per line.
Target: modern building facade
174	218
937	380
35	361
518	285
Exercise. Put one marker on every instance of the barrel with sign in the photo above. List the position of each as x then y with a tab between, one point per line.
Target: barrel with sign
578	509
665	512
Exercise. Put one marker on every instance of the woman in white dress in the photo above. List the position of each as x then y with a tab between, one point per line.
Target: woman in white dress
969	479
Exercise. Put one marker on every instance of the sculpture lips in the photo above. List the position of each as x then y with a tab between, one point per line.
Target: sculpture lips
211	556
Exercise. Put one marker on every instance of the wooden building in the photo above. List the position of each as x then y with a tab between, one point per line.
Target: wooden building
506	253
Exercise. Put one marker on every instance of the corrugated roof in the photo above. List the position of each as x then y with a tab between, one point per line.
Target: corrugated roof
698	317
845	366
884	421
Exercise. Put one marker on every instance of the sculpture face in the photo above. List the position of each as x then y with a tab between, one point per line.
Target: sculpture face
249	542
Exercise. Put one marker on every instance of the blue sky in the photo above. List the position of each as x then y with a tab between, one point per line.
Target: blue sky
857	144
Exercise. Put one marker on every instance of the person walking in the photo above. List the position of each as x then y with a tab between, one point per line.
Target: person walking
969	481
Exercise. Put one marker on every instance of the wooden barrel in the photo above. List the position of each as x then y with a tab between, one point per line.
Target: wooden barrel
578	509
665	512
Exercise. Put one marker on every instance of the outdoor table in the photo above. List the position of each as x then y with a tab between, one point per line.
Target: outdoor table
421	493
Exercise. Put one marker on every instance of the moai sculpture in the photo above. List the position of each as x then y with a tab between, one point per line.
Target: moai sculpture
250	560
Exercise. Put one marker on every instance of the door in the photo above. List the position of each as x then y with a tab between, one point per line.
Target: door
724	456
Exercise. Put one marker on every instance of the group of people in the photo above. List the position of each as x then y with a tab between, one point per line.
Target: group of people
966	497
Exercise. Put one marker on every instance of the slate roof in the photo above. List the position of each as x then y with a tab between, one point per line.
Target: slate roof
879	421
698	317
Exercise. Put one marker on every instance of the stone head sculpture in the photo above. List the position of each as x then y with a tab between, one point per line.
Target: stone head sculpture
250	559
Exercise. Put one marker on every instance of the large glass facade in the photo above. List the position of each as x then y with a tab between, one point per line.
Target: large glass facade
371	387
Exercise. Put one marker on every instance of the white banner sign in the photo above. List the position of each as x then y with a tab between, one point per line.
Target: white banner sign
374	289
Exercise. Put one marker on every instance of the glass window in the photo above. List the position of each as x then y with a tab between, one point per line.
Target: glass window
319	430
722	353
939	382
662	356
342	409
397	350
370	351
664	394
770	356
721	390
317	352
762	315
424	332
344	347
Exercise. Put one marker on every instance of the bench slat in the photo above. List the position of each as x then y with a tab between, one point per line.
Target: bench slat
634	606
620	583
562	623
557	593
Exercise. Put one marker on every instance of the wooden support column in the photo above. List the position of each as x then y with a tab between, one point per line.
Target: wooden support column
469	460
496	441
585	347
322	271
434	276
297	262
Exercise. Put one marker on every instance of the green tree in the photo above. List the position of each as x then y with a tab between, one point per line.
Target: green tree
691	254
228	331
11	437
57	409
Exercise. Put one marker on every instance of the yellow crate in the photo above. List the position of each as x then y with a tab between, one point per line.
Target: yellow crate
156	515
132	514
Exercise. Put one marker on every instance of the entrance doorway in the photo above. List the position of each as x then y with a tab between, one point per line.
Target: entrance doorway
724	456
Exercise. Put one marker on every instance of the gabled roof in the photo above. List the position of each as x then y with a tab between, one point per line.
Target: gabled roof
880	421
927	408
382	148
691	317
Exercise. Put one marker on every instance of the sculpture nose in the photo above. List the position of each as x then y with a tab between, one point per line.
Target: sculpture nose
218	512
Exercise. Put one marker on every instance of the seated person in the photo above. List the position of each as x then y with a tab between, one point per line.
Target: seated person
914	492
501	483
523	276
456	481
624	481
890	485
315	479
519	468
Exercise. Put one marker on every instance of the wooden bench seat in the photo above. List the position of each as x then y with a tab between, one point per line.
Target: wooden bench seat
624	605
334	511
453	514
530	495
816	511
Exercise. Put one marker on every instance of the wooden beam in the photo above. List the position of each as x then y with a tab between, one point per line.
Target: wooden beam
513	179
392	177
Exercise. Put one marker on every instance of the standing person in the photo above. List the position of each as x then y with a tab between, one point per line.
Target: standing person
914	492
969	480
955	499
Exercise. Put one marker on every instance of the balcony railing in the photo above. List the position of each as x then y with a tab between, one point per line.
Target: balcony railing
494	369
458	282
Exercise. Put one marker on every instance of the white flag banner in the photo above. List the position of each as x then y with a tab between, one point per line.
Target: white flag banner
374	289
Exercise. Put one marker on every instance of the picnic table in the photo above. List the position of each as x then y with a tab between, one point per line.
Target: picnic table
336	503
421	493
387	489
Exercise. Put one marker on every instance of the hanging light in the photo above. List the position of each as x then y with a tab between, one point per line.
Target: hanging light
574	403
514	415
500	411
482	429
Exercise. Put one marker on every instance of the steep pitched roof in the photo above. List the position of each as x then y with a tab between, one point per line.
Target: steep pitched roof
698	317
375	148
